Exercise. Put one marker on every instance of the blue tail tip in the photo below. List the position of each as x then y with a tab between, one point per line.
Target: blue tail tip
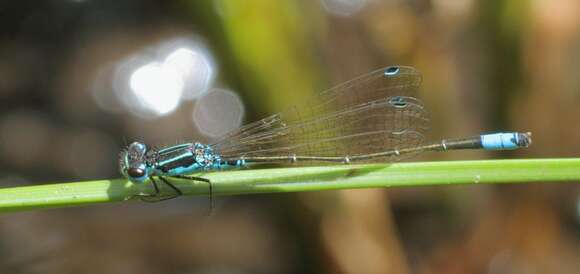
506	140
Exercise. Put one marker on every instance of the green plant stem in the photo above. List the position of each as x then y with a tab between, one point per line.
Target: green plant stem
295	179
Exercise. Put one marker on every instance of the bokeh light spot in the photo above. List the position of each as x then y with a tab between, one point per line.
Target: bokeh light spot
218	112
155	81
196	68
157	88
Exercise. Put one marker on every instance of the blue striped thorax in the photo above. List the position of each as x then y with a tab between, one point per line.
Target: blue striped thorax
139	162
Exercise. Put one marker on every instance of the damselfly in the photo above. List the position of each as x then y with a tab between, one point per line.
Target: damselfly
375	117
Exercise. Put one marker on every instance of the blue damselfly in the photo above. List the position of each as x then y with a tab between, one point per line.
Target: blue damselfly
375	117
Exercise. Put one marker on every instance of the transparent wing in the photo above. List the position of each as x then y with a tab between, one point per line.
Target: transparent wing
373	113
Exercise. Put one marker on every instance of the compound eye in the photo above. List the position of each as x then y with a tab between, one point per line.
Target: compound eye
138	148
136	172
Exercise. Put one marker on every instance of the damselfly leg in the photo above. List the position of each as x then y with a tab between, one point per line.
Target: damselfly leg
200	179
158	196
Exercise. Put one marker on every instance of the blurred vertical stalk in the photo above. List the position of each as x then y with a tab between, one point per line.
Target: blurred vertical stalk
269	51
502	24
266	53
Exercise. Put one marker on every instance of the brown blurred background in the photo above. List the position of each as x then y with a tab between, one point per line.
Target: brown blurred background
81	78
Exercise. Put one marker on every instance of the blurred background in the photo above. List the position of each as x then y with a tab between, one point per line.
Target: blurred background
79	79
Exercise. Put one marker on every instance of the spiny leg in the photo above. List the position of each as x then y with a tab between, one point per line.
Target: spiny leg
157	196
154	183
193	178
177	191
143	196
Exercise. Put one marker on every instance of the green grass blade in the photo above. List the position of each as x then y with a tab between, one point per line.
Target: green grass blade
295	179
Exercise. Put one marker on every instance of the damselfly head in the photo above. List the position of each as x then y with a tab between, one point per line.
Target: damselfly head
133	162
